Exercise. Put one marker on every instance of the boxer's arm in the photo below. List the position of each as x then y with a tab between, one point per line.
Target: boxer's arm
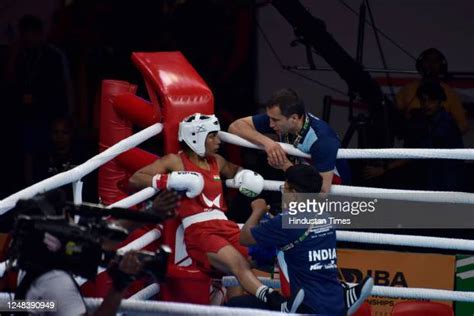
249	182
226	168
143	177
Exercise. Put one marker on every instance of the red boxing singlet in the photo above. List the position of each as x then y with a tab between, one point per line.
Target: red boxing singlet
211	197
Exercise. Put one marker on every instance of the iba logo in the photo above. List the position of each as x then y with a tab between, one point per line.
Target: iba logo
383	278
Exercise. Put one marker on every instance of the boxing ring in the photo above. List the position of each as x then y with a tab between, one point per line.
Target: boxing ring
137	303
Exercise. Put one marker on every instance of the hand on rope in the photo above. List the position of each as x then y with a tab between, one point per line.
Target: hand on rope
285	164
276	154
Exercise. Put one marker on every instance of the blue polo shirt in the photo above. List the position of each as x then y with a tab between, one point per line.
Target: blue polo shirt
319	140
311	264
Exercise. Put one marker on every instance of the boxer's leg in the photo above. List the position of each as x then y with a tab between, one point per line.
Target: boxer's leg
229	260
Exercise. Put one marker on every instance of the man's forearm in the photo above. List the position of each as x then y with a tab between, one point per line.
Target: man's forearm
246	237
326	186
247	131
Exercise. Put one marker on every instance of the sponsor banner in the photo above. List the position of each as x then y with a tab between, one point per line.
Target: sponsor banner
397	269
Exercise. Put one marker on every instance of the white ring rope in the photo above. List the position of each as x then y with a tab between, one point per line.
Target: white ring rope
405	240
141	242
146	293
82	170
135	198
390	194
3	268
231	281
165	308
170	308
384	153
386	291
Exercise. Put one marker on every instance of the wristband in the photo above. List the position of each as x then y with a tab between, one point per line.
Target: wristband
159	181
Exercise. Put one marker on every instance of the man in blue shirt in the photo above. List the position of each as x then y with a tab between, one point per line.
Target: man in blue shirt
286	116
310	253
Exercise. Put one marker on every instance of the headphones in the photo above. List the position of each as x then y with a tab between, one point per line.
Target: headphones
424	54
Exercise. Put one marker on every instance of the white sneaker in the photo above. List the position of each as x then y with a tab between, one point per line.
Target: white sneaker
355	295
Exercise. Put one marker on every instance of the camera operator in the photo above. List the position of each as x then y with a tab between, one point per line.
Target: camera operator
49	248
60	287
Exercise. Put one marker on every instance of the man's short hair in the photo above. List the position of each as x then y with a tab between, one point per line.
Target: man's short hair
304	178
288	101
430	90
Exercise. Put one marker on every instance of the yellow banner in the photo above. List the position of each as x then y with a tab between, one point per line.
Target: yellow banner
389	268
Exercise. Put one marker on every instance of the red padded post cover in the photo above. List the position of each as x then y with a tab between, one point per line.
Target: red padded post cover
180	90
112	130
417	308
364	310
137	110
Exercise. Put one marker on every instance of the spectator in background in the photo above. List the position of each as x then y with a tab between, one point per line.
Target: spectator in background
431	64
35	76
64	152
429	126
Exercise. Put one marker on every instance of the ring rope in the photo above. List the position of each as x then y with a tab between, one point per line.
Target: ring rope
231	281
141	242
135	198
405	240
390	194
384	153
146	293
82	170
360	237
171	308
164	308
386	291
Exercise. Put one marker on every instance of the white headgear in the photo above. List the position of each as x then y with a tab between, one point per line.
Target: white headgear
193	131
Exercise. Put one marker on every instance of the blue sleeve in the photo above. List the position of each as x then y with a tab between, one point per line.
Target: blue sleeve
271	233
324	153
262	123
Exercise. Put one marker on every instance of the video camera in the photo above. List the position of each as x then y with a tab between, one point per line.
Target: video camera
81	251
